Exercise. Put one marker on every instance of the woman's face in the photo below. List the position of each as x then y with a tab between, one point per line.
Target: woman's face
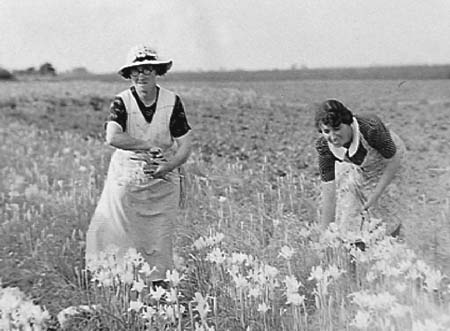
143	76
338	136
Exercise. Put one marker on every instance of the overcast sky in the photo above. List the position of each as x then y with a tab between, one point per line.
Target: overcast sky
225	34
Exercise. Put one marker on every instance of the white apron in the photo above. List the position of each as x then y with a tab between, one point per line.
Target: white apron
136	210
355	183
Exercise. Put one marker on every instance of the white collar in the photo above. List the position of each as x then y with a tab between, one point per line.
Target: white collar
340	152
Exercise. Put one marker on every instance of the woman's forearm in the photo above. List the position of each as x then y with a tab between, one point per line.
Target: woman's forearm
125	141
119	139
179	158
182	154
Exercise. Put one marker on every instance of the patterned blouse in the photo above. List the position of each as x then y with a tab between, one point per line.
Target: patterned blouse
374	132
178	121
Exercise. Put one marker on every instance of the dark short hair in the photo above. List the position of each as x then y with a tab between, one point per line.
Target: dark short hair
160	70
332	112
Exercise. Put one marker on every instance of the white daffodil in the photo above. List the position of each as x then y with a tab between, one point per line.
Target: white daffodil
292	284
134	257
254	292
317	273
239	258
135	306
171	313
202	305
174	277
222	199
295	299
240	281
334	272
138	285
286	252
128	277
371	276
65	315
200	243
304	232
216	256
104	278
148	313
158	293
263	308
146	270
172	295
270	272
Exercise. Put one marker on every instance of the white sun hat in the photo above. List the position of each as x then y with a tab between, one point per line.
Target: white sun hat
141	55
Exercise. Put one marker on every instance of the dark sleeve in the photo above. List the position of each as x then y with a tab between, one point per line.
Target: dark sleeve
326	160
179	125
380	138
117	113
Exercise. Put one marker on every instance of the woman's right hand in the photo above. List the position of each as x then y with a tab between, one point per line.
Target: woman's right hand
152	159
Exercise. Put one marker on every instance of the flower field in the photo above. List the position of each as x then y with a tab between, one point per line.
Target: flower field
249	255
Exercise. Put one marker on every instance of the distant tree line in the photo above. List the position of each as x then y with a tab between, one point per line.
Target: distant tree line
46	69
5	74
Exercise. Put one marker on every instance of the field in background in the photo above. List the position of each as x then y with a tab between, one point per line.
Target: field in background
253	150
399	73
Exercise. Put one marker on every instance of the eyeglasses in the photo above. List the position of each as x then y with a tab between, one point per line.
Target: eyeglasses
136	71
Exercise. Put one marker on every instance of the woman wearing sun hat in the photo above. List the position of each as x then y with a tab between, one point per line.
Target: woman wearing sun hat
148	127
362	166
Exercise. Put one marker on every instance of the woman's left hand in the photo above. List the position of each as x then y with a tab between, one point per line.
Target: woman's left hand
387	176
162	170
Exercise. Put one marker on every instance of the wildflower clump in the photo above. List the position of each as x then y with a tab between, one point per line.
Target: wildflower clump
124	285
248	289
17	312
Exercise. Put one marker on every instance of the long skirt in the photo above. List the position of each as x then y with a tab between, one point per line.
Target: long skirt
135	211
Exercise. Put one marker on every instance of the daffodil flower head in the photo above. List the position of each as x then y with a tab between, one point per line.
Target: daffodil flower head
174	277
263	308
158	293
287	252
135	306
